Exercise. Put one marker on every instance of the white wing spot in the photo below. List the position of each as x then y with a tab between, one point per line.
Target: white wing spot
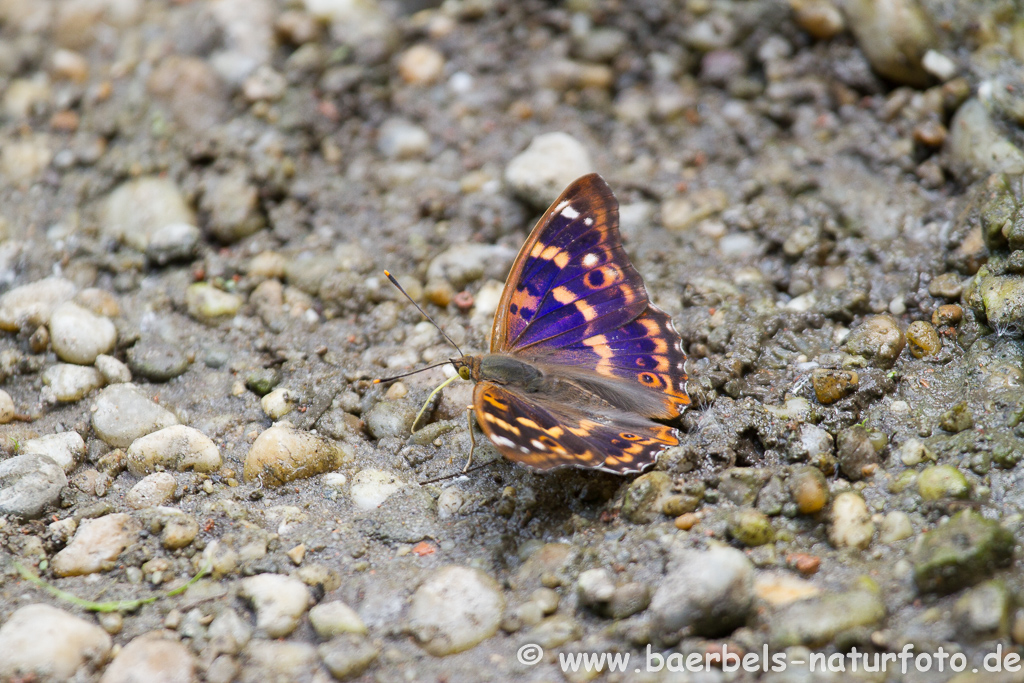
524	449
569	212
590	260
503	441
538	445
588	221
561	206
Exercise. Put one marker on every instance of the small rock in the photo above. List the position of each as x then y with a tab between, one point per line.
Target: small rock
462	264
832	385
24	158
331	619
280	602
401	139
66	383
193	91
645	497
264	84
850	522
154	489
816	622
878	339
628	599
282	454
707	593
983	612
449	502
157	360
896	526
455	609
545	168
232	207
66	449
942	481
152	657
228	633
122	414
372	487
948	315
348	655
96	545
894	35
750	527
29	484
280	660
808	489
77	335
962	552
939	65
138	209
679	213
856	453
173	242
976	148
31	305
947	286
7	409
922	339
421	65
821	18
42	643
913	452
595	587
279	403
113	370
957	419
390	418
176	448
262	381
741	485
779	589
208	304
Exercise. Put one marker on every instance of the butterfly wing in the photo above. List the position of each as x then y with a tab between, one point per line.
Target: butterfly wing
574	299
544	435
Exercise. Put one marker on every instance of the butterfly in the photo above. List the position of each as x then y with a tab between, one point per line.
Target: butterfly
581	366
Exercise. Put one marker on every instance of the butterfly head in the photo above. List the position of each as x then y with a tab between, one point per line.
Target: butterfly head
468	367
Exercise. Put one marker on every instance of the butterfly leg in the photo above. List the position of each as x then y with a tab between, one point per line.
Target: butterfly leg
472	438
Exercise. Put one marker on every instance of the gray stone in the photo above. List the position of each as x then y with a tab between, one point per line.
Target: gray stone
545	168
31	305
154	658
455	609
157	360
173	242
66	449
280	602
138	209
67	383
348	655
29	484
390	418
42	643
817	621
962	552
976	148
122	414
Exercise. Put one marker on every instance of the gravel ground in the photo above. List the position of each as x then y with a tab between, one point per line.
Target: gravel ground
198	199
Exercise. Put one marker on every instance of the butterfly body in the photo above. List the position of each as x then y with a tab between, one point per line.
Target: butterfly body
581	363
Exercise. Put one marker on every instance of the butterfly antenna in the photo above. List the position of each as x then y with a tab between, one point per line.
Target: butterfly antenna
406	374
459	474
423	313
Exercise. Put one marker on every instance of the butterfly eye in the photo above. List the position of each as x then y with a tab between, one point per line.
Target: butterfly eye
464	372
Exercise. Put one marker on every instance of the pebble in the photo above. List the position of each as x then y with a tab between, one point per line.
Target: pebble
331	619
263	380
232	207
779	589
122	414
895	526
821	18
939	65
280	601
209	304
922	339
850	524
679	213
66	383
348	655
709	592
983	612
67	449
173	242
894	36
42	643
600	44
279	403
831	385
913	452
157	360
856	453
29	484
750	527
78	335
371	487
957	419
421	65
546	167
962	552
455	609
152	657
817	621
645	497
228	633
878	339
96	545
947	286
808	489
975	146
24	95
269	660
193	91
176	448
402	139
7	408
947	315
29	306
595	587
461	264
24	159
113	370
628	599
942	481
154	489
390	419
264	84
282	454
138	209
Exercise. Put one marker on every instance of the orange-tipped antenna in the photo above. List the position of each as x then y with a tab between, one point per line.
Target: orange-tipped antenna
406	374
424	314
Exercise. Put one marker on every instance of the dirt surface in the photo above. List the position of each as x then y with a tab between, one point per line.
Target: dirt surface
824	196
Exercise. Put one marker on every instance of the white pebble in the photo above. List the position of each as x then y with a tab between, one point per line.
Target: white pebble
851	522
7	409
96	545
78	335
401	139
279	403
52	644
66	449
154	489
177	448
66	383
333	618
280	602
372	487
455	609
122	414
938	65
31	305
540	172
113	370
154	657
